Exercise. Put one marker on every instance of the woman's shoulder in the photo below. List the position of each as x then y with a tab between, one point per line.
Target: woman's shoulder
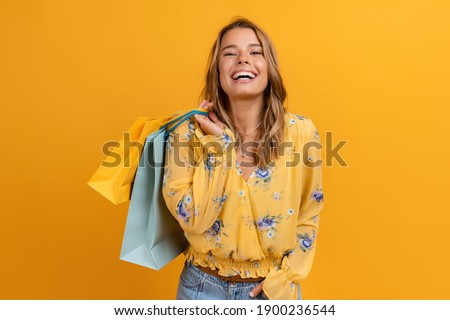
297	122
292	117
300	127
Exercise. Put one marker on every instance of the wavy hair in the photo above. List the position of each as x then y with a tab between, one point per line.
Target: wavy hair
271	131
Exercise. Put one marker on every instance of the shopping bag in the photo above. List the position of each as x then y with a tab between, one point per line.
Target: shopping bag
152	237
115	180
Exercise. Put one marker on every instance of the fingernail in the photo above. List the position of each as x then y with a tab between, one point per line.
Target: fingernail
252	294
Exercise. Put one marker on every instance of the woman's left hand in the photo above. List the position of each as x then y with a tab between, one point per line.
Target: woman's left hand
256	290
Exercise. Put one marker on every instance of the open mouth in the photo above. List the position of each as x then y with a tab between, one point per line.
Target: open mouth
244	76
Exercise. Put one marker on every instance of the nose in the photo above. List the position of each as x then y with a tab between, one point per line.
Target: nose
243	59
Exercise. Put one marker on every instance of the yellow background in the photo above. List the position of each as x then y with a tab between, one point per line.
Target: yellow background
77	73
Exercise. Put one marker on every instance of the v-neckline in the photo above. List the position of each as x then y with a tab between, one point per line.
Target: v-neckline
238	167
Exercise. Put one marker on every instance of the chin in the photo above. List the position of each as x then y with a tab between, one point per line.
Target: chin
246	95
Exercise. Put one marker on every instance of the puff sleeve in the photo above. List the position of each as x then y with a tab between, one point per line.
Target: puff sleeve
195	174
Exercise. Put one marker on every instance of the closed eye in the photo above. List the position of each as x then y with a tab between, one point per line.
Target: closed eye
232	54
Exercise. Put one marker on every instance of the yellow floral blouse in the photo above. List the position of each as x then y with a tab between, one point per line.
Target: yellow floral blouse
266	226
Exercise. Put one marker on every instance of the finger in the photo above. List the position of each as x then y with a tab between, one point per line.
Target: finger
200	118
213	116
256	290
203	105
216	120
208	106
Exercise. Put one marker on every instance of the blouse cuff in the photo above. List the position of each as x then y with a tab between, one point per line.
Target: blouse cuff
282	283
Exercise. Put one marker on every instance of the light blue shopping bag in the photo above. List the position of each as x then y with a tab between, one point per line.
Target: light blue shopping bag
153	237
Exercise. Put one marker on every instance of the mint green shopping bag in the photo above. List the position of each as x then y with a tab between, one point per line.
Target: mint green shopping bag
153	237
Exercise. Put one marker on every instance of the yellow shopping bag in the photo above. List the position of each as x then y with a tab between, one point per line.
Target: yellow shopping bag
114	178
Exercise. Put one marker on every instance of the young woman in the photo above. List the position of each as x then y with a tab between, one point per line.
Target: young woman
245	182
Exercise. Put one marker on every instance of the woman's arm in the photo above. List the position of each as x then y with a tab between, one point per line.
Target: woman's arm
195	175
296	265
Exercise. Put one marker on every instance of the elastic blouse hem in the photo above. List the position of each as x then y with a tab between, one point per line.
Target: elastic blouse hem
230	267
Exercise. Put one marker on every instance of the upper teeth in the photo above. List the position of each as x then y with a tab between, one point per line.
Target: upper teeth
243	73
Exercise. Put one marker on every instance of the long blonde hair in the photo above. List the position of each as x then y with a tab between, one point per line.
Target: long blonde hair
270	133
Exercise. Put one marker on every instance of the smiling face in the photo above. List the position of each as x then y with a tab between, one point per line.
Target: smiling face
242	66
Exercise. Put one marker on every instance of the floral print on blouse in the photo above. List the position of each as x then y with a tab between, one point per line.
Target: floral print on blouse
266	226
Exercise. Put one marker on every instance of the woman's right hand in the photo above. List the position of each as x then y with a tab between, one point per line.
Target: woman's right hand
209	124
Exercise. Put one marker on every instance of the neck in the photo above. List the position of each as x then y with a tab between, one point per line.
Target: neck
246	114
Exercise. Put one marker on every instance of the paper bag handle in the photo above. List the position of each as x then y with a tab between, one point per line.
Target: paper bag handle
179	120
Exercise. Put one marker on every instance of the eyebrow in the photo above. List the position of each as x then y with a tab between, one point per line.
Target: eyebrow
235	46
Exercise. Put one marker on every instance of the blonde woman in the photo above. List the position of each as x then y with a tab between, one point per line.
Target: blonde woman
245	182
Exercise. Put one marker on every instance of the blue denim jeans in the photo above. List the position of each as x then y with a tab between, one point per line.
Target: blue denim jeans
195	284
